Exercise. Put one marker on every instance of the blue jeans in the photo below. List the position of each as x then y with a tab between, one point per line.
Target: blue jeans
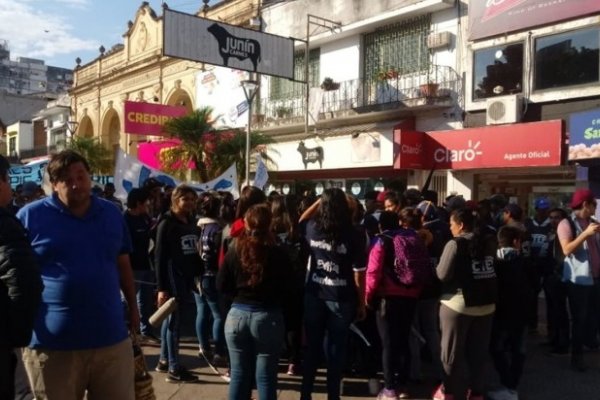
207	305
332	318
169	331
254	339
144	294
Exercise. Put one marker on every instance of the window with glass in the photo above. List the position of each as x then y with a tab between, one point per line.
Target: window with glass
498	71
401	47
567	59
12	145
282	88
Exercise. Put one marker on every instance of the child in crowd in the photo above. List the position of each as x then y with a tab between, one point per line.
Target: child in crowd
516	278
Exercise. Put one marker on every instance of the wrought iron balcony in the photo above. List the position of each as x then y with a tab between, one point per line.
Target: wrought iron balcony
388	90
36	152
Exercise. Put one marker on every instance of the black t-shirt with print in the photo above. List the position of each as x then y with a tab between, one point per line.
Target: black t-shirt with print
332	264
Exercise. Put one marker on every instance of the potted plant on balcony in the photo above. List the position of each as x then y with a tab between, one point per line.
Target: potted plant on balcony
387	74
429	89
329	84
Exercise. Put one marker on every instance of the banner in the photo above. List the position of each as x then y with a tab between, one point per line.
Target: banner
32	172
262	175
205	40
149	153
131	173
584	135
221	89
147	118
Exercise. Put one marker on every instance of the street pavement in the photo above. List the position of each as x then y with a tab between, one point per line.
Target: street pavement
546	377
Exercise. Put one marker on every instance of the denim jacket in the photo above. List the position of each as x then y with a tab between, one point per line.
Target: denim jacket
577	268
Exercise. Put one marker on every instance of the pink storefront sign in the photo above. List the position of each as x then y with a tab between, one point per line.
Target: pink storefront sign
148	119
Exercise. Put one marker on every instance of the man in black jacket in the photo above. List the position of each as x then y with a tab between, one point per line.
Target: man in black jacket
20	287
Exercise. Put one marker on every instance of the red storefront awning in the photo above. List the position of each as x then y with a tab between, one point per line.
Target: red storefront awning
535	144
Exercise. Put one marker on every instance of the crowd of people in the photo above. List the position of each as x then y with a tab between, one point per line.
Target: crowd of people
289	276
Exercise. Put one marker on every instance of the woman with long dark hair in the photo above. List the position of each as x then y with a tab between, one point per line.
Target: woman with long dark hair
469	293
334	292
177	265
285	228
256	275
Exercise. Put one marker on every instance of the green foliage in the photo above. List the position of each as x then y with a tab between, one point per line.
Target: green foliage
233	150
99	157
190	129
210	149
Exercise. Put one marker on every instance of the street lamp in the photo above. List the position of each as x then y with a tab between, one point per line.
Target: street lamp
71	128
250	87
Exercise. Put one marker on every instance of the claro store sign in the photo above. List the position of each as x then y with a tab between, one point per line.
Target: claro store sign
534	144
148	119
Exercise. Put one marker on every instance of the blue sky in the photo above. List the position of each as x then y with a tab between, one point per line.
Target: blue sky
59	31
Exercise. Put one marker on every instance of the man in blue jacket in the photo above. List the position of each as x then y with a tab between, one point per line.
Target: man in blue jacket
80	341
20	287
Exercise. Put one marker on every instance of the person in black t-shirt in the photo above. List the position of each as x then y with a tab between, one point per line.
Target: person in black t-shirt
334	293
177	264
139	223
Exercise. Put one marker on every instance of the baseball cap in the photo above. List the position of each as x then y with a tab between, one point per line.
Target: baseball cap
541	203
381	196
580	196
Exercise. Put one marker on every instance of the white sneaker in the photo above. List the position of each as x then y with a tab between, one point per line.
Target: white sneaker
374	386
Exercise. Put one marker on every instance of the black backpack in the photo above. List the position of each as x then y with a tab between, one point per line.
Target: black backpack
475	272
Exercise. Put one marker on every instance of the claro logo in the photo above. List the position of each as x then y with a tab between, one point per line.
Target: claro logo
416	149
450	155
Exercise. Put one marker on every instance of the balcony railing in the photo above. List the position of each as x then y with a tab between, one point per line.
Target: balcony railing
385	91
36	152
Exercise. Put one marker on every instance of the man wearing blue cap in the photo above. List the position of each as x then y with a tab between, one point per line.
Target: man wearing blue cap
540	229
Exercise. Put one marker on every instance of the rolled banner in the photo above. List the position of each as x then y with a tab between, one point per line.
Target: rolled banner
163	312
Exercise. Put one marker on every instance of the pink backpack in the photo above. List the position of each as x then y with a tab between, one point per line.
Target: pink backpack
411	264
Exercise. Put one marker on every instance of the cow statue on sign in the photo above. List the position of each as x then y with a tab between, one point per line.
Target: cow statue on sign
311	155
233	46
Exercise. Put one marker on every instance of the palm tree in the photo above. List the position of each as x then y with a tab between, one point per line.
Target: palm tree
211	150
232	151
98	157
191	130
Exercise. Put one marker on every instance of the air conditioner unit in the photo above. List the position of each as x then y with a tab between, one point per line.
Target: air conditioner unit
46	123
504	109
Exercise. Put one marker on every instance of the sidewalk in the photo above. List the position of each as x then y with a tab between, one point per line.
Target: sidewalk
546	378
